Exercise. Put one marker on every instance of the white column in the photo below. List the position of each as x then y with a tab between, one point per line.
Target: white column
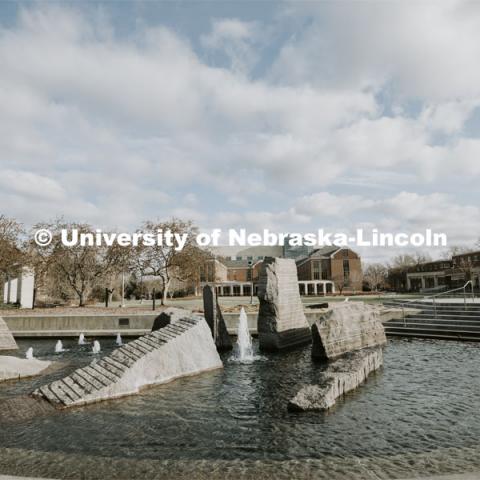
12	294
6	291
423	281
315	289
26	285
241	290
409	284
324	285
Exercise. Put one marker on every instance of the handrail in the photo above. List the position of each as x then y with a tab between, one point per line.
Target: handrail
433	297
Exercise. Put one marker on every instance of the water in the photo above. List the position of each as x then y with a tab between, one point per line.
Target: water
96	347
416	416
118	340
243	347
81	339
59	347
29	354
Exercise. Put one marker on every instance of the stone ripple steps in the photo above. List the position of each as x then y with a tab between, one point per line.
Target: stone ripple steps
110	369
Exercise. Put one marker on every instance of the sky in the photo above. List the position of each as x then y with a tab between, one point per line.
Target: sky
290	116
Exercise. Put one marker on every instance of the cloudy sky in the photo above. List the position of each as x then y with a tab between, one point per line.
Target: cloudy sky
282	115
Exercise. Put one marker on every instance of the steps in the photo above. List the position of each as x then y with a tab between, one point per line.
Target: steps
446	320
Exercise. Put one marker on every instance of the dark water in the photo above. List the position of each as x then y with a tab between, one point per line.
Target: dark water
420	414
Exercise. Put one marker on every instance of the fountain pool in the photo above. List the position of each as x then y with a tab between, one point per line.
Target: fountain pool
418	415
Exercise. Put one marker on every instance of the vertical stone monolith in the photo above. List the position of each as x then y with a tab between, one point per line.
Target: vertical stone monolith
214	318
281	319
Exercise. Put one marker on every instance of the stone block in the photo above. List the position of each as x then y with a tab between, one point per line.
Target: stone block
346	327
168	316
214	318
281	318
341	376
186	348
7	342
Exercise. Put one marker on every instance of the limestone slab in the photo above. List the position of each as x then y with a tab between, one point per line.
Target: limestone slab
14	367
346	327
7	342
342	376
187	350
281	318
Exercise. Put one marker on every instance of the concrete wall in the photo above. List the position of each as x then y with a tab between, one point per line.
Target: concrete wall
73	325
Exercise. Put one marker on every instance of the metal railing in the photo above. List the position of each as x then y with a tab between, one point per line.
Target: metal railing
434	297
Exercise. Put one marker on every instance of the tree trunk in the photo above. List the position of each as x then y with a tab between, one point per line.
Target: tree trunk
81	298
165	291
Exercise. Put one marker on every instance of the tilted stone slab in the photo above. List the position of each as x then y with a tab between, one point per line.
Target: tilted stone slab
184	349
14	368
342	376
346	327
7	342
281	318
168	316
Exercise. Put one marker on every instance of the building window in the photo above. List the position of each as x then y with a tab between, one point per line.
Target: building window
325	270
316	270
249	275
346	269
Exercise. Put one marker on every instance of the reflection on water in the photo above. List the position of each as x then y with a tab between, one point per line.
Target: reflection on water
417	415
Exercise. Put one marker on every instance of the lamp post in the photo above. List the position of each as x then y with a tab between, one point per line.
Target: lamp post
123	290
250	264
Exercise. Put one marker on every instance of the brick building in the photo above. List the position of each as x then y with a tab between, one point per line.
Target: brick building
320	272
333	268
444	274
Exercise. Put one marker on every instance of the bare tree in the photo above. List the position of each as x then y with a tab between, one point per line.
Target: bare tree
456	250
77	269
166	262
375	275
11	251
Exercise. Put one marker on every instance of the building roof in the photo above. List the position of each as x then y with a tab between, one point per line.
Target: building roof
238	263
244	252
319	253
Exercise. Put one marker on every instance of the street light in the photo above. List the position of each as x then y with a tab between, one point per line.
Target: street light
123	290
250	264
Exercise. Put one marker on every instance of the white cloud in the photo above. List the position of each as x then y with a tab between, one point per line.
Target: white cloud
238	40
122	124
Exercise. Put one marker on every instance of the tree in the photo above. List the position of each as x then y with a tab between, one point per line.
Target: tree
11	251
78	269
375	274
409	260
166	262
455	250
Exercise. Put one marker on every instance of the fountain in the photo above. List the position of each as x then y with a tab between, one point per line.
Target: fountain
59	347
118	341
29	354
244	347
81	339
96	347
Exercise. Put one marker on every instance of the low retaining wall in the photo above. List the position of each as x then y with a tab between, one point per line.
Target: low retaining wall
72	325
106	325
